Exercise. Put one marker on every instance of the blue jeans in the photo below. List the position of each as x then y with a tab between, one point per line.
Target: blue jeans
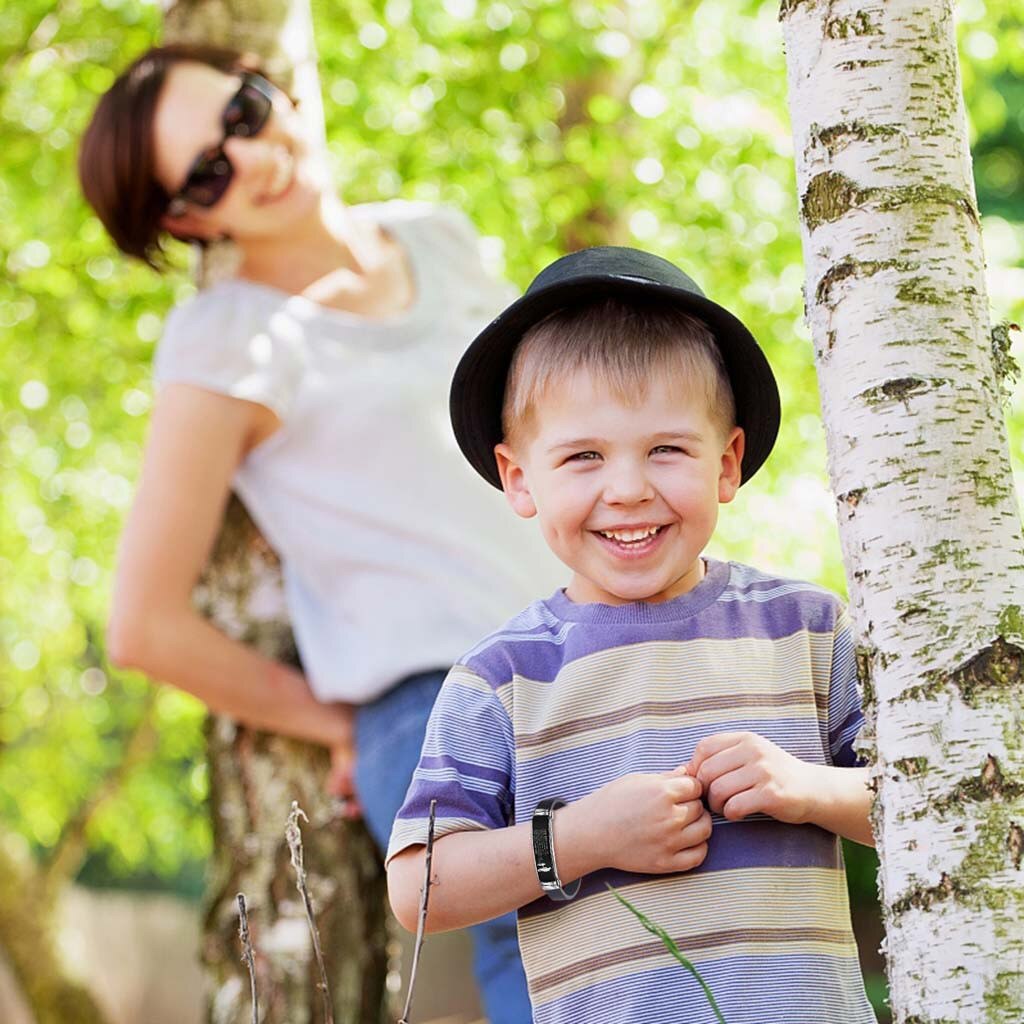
389	735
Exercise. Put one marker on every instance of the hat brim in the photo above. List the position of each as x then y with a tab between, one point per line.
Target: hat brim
478	387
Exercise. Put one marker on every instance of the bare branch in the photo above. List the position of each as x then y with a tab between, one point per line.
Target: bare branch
421	923
248	954
294	837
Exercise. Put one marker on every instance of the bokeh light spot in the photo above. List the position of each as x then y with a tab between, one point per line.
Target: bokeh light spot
34	394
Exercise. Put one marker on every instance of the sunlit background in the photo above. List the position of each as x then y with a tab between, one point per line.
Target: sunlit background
553	125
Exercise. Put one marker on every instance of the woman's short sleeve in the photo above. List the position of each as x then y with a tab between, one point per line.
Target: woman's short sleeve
221	341
459	246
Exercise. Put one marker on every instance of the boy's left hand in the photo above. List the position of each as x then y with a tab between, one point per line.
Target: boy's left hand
743	773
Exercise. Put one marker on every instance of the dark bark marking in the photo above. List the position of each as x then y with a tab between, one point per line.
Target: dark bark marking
852	498
859	24
911	766
898	390
996	670
988	785
853	268
1015	844
922	897
787	7
830	196
838	136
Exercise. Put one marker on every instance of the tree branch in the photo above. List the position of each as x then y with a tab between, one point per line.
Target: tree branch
294	836
421	923
248	955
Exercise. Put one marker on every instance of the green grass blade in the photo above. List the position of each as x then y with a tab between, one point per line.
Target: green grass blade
671	947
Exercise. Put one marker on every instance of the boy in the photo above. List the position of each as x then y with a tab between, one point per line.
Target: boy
574	747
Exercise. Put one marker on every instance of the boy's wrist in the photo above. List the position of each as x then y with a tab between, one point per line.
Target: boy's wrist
577	850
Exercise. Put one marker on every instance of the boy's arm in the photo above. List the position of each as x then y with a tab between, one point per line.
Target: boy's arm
743	773
842	802
475	876
652	823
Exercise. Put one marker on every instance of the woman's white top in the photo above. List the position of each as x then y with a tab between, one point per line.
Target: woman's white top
397	557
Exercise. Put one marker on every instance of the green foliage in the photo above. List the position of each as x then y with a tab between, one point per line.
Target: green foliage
552	124
76	331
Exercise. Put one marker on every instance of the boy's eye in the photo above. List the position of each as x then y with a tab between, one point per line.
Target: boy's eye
583	457
665	449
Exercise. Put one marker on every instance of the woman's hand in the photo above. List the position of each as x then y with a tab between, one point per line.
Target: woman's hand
340	780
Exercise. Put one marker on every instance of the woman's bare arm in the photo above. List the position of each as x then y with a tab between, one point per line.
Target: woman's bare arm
196	440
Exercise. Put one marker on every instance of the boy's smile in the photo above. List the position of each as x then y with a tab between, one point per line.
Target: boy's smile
627	492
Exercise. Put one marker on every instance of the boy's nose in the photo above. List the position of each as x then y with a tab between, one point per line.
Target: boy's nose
627	485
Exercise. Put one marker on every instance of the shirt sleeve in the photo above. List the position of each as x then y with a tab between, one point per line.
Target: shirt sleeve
845	714
456	236
221	342
465	765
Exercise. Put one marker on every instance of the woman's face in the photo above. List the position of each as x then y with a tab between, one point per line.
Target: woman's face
277	178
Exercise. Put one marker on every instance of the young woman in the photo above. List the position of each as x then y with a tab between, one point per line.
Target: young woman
314	383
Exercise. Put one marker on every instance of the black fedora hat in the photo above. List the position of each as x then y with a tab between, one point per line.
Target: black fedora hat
606	271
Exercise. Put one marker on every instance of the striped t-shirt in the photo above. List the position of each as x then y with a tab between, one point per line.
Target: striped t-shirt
567	697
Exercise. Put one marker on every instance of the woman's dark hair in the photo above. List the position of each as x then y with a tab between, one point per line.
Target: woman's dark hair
116	162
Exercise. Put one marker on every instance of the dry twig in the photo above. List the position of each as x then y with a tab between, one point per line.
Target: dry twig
422	920
248	955
294	838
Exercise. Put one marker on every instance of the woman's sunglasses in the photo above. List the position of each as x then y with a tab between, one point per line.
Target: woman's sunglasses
244	116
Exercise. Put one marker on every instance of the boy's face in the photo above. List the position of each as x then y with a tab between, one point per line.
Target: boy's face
627	494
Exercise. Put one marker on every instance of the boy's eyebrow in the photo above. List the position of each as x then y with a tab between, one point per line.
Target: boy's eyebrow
678	435
659	438
577	442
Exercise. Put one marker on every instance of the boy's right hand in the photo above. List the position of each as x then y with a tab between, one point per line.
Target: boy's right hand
648	823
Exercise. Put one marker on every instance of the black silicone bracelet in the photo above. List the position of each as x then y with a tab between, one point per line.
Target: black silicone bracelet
544	851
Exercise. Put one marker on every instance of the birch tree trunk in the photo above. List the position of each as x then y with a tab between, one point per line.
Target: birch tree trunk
911	397
255	776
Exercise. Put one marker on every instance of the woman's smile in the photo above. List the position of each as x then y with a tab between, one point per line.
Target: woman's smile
281	178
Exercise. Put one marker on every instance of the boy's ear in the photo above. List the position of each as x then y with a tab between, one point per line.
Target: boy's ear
513	482
732	460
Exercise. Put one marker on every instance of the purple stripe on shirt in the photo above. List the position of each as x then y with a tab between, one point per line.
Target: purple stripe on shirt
670	621
454	800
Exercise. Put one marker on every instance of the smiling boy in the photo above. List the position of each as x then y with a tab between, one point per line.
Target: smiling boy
573	747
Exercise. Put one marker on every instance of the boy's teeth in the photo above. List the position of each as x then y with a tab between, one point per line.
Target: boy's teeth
627	536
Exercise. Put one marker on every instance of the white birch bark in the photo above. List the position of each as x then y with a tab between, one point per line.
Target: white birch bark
919	463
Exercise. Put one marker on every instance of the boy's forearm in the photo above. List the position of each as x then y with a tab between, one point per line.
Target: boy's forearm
476	876
843	803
